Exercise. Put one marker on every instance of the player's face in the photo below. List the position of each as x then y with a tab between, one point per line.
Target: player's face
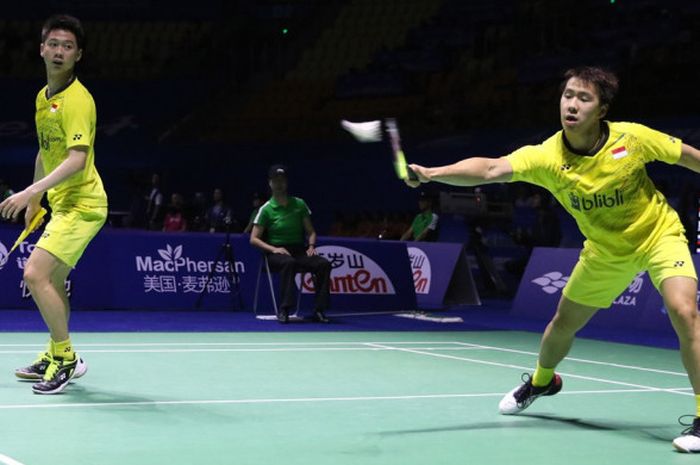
60	51
218	195
278	185
580	107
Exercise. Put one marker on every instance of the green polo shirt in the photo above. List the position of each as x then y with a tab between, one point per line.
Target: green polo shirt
423	221
284	225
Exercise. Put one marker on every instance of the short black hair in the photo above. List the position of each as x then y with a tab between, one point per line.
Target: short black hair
66	23
277	170
604	80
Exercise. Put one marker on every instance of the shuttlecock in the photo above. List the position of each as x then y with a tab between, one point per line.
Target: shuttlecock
367	131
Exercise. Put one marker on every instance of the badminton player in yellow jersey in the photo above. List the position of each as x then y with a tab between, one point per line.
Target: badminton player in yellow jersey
596	170
65	169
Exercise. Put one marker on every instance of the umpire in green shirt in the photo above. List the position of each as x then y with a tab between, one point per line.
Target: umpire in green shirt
279	230
425	224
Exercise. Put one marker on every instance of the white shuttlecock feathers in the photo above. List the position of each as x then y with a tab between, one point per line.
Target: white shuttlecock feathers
367	131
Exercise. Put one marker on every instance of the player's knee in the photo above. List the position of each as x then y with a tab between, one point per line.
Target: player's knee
33	276
565	324
684	314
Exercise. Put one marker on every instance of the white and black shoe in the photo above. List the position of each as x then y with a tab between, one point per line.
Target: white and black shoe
522	396
58	375
689	440
37	370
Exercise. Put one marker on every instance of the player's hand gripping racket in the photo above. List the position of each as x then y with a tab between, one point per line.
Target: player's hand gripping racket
33	225
371	131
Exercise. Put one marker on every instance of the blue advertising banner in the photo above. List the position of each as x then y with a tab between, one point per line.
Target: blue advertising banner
124	269
441	275
640	306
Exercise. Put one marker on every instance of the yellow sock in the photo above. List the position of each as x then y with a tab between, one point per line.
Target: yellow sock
63	349
697	404
542	376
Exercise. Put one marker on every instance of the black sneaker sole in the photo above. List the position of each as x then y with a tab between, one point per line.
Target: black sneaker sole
76	374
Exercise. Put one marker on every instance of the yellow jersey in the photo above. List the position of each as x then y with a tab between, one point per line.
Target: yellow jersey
609	193
68	119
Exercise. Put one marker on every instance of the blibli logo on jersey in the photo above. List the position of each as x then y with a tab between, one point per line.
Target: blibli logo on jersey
44	142
582	203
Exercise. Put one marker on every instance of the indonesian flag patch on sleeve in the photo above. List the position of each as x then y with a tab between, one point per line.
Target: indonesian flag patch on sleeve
619	152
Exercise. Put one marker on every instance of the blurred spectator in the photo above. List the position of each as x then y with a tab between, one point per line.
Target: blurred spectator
136	217
257	203
219	216
198	213
175	217
154	205
425	224
396	224
370	225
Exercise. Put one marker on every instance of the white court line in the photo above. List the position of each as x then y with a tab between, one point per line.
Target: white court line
296	400
286	349
8	460
518	367
574	359
316	344
205	344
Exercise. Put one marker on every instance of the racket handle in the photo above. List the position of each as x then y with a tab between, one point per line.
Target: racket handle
412	176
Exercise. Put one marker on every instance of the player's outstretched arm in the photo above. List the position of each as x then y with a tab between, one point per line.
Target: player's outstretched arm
468	172
690	158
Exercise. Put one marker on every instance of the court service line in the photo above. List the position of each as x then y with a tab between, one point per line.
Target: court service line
214	344
528	369
285	349
574	359
9	460
316	344
295	400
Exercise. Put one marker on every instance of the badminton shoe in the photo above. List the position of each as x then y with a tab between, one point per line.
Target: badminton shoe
689	440
58	375
522	396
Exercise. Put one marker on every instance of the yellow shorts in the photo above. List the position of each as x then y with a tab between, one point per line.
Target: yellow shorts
70	231
599	277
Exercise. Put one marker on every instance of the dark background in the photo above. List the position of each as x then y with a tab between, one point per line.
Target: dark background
211	93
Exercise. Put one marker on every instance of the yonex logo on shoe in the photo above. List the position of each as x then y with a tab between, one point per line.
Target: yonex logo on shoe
551	282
